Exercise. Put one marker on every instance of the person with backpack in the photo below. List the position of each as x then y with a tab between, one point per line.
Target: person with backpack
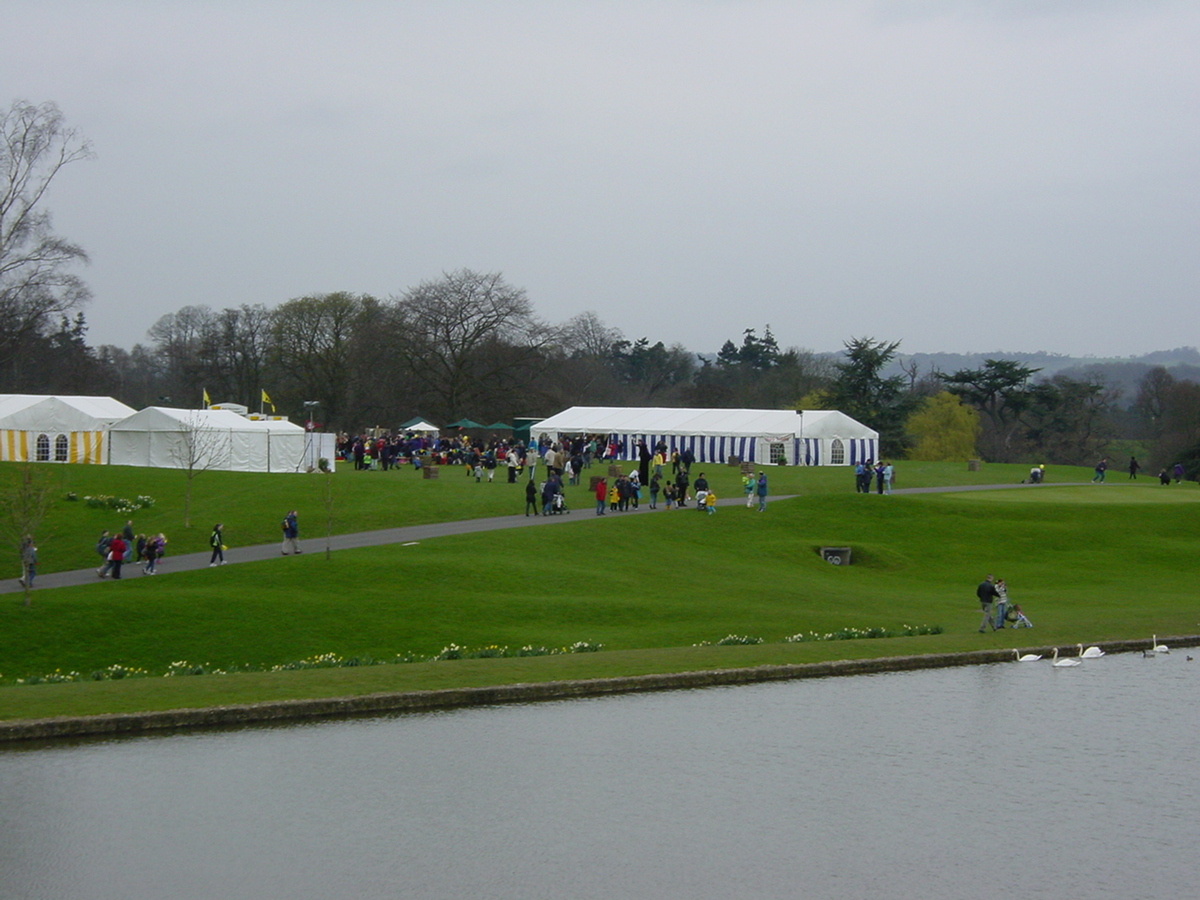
291	534
216	540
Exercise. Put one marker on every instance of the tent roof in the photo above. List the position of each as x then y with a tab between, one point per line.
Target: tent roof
499	426
464	423
164	418
38	412
418	424
775	423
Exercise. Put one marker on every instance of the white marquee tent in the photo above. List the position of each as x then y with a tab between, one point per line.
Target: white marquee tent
68	429
207	438
761	436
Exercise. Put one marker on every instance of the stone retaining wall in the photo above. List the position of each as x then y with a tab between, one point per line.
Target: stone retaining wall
417	701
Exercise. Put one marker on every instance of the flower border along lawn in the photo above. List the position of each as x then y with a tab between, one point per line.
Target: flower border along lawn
1086	568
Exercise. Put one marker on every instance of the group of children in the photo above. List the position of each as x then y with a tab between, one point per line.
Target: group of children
124	547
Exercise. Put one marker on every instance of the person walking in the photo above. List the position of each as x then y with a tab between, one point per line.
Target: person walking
1101	468
986	592
601	495
28	562
128	537
682	482
761	490
291	534
116	558
155	547
1134	465
216	540
531	497
748	488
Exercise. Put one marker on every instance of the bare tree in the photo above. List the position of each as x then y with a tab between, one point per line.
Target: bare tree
471	342
36	281
22	509
313	343
199	447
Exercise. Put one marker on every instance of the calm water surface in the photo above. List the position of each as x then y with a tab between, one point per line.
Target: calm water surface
1009	779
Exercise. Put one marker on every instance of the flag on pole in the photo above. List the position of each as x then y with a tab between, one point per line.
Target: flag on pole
207	402
267	401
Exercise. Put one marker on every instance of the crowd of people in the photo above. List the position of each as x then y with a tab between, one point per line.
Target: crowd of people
883	473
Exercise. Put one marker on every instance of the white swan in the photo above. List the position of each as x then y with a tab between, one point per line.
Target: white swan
1159	648
1062	663
1028	657
1090	652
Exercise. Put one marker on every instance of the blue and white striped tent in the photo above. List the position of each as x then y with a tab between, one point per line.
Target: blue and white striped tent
760	436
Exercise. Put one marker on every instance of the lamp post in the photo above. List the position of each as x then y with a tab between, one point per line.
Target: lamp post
803	461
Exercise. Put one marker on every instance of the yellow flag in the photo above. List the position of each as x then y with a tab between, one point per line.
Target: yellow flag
267	400
207	402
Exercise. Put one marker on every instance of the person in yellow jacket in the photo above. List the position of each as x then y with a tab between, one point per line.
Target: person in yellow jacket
710	502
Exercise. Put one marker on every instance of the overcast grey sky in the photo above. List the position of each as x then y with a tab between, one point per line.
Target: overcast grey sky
959	176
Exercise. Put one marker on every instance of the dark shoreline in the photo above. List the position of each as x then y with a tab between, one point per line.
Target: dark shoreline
128	724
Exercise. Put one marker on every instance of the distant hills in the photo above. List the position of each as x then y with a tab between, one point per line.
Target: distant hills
1123	372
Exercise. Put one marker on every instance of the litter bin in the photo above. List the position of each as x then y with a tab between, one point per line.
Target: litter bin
836	556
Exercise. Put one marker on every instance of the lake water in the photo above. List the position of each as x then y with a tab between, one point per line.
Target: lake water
1010	779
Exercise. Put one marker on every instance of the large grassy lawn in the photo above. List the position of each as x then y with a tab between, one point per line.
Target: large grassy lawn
251	505
1087	563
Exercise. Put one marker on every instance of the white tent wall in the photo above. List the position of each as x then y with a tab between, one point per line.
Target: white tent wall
318	446
762	437
159	437
286	445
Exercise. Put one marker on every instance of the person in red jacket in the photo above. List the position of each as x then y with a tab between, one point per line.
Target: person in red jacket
601	495
116	556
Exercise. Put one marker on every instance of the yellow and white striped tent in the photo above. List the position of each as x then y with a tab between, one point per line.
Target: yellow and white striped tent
67	429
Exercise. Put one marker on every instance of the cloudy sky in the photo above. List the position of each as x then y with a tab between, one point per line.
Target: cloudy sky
959	175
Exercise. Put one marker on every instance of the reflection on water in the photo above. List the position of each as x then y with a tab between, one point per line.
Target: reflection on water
1001	779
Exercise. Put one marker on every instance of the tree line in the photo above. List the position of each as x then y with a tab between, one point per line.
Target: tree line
468	344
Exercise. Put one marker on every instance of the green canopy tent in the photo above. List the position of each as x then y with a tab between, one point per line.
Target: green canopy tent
499	426
464	424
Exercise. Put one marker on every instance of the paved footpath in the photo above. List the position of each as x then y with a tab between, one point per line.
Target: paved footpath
190	561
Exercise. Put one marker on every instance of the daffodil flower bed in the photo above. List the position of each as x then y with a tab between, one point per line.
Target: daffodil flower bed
181	667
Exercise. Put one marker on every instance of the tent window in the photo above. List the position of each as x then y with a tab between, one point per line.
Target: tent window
837	453
61	447
43	448
778	454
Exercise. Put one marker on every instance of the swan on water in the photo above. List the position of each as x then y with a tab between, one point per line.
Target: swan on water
1090	652
1028	657
1159	648
1061	663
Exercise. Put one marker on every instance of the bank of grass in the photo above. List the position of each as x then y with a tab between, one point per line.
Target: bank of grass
1088	563
251	505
